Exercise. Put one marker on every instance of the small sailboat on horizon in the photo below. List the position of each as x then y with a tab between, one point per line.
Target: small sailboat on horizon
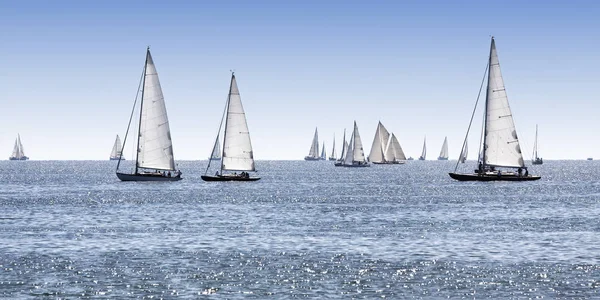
536	159
500	142
237	154
18	152
323	154
333	154
355	155
313	153
154	160
385	148
444	151
424	152
115	154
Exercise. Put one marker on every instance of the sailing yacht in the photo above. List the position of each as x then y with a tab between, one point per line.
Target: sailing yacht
393	152
237	154
500	142
355	155
313	153
216	153
444	151
115	154
536	160
385	149
339	162
323	154
333	155
424	152
18	152
154	160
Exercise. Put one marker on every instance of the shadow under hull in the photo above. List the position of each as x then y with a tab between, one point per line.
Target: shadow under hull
490	177
146	177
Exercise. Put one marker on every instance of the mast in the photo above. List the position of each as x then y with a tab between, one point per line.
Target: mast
535	152
226	119
333	149
137	152
487	98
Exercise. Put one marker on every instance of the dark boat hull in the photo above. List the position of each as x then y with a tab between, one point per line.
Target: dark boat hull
310	158
442	158
490	177
228	178
537	161
332	159
116	158
389	163
19	158
146	177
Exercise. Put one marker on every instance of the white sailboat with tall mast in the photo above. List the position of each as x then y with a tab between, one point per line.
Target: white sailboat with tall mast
216	153
424	152
18	152
500	142
333	154
355	155
385	148
444	151
115	154
536	159
313	153
237	154
154	160
343	153
393	152
323	154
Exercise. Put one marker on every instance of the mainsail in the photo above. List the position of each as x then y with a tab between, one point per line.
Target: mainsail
464	153
155	149
18	152
344	147
501	144
535	144
393	151
333	156
323	155
216	153
237	148
424	152
355	153
444	151
380	143
314	146
116	150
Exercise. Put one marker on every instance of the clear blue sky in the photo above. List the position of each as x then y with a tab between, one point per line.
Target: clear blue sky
69	72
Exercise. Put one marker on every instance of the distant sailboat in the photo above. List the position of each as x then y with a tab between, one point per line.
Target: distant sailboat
424	152
355	155
154	160
393	153
115	154
536	160
237	154
590	158
18	152
500	142
464	153
323	154
333	154
313	153
344	148
216	153
382	149
444	151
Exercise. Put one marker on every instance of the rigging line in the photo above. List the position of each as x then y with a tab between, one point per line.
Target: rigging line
472	115
131	116
218	132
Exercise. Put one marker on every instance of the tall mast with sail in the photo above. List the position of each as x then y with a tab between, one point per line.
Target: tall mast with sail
216	153
333	154
115	154
154	160
380	142
444	151
500	141
237	154
313	153
323	154
355	155
536	159
18	152
393	152
424	152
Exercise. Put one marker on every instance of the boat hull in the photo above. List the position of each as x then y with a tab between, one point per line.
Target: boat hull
228	178
146	177
19	158
490	177
116	158
389	163
537	161
339	164
421	158
442	158
332	159
310	158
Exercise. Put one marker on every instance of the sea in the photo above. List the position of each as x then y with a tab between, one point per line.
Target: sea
307	229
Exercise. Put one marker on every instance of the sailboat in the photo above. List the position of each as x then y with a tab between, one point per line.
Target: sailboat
313	153
323	154
216	153
355	155
18	152
333	155
393	152
464	153
237	154
154	160
536	160
500	142
339	162
444	151
115	154
424	152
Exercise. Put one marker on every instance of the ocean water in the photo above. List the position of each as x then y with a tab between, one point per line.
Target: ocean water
70	229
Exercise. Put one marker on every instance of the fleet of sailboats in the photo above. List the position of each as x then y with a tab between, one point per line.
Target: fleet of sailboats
154	160
501	147
444	151
18	152
237	155
115	154
536	159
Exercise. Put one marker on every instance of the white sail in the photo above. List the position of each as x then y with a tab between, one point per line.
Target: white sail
464	153
333	154
116	150
501	144
357	148
314	146
344	147
323	154
444	151
535	143
379	145
348	157
155	149
237	148
424	152
16	150
216	154
394	151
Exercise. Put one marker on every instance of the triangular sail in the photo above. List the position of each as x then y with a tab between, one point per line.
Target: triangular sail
333	154
323	155
424	152
155	149
216	154
314	146
501	144
379	145
394	151
344	147
357	148
116	150
348	157
237	148
464	153
16	150
444	151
